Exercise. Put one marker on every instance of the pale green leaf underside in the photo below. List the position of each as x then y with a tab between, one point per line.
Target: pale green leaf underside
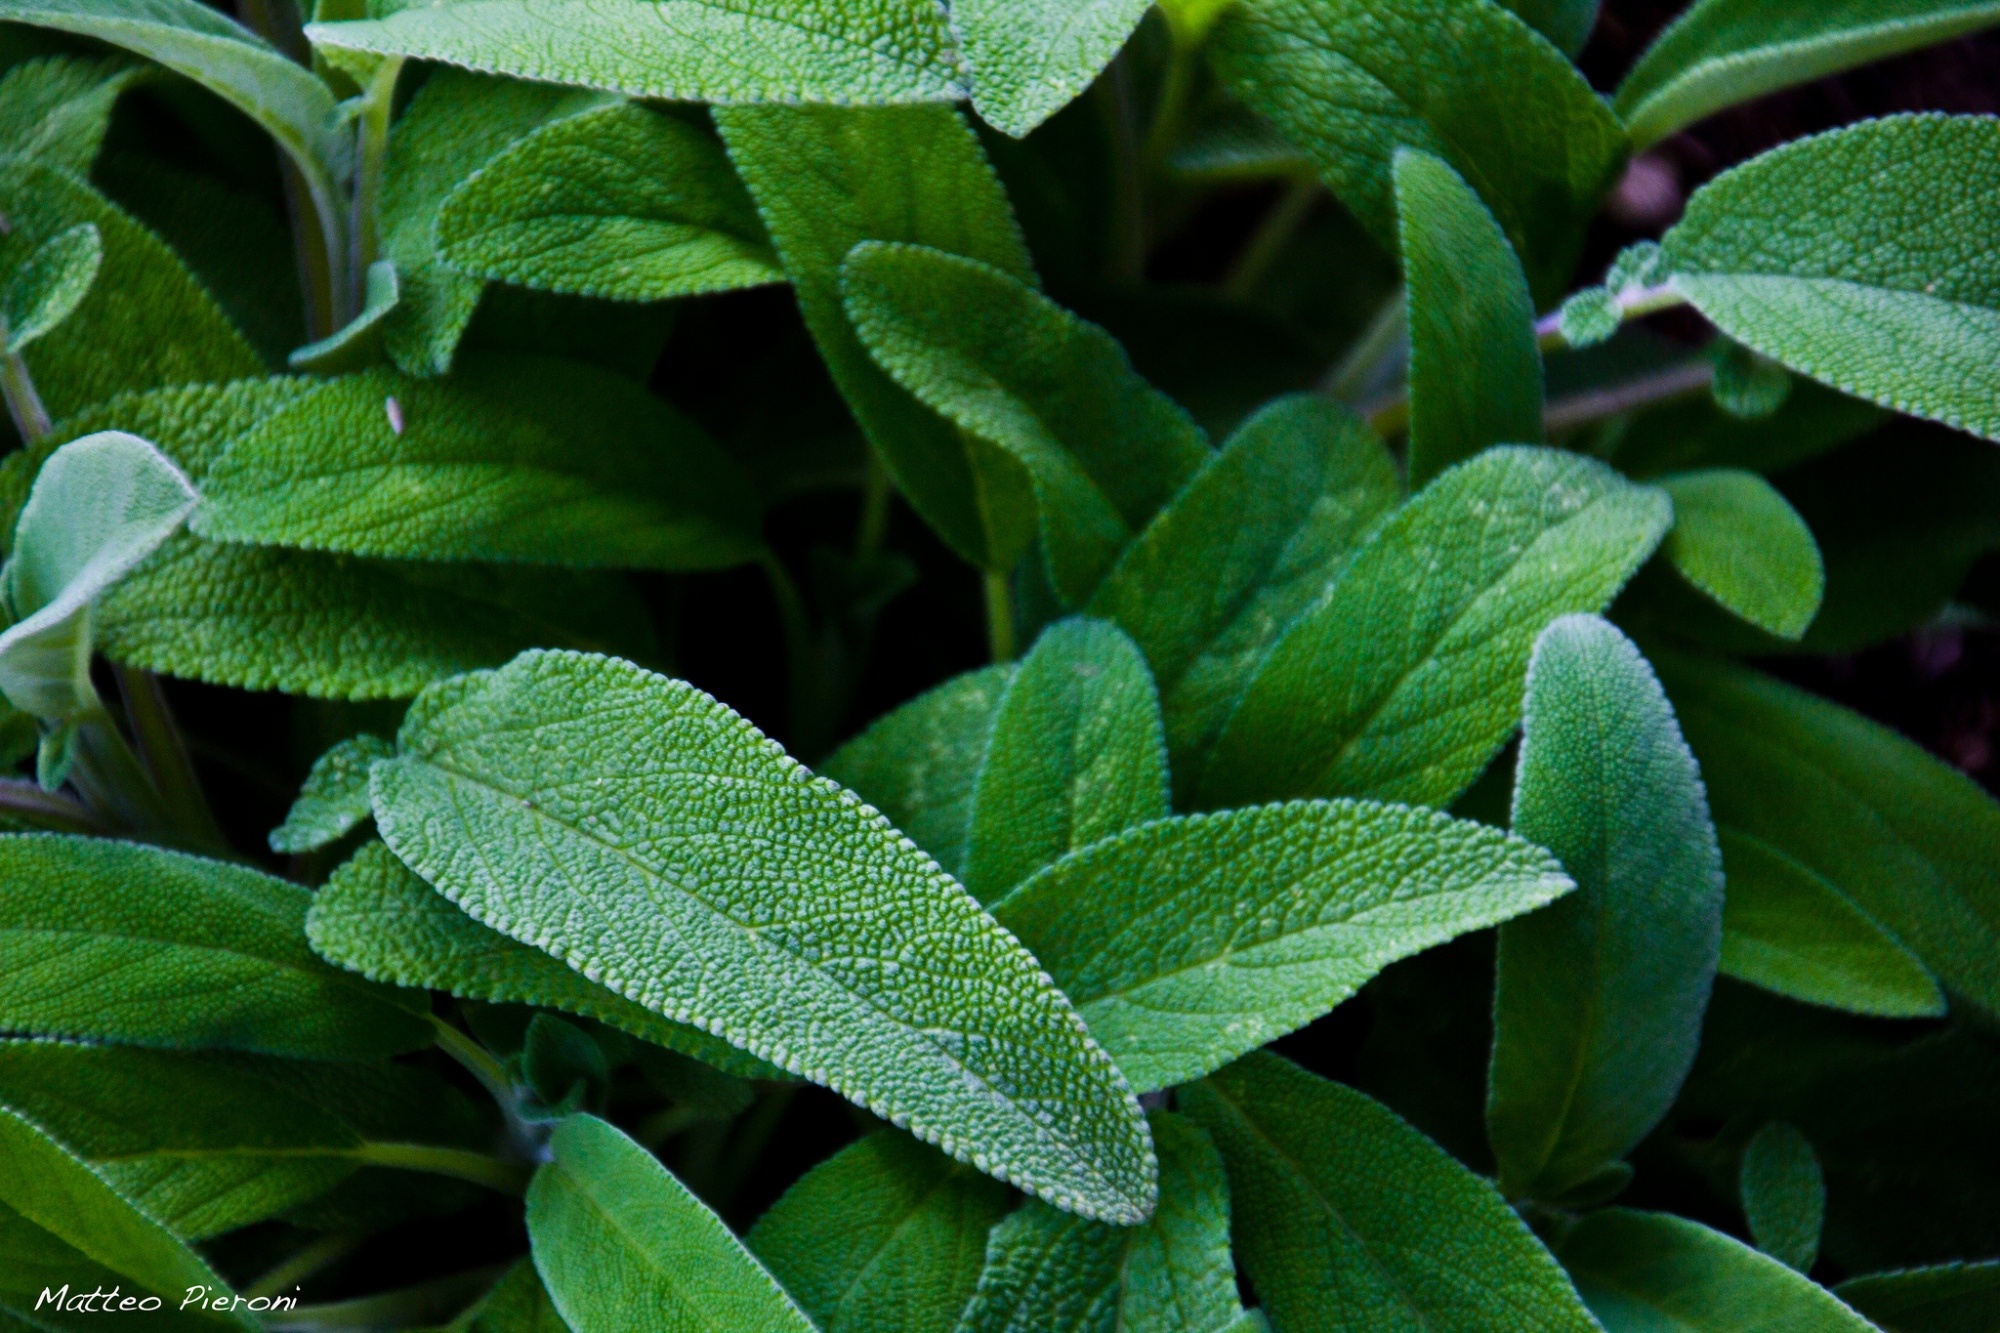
1187	942
1722	52
56	109
659	844
1029	58
51	284
1742	543
334	799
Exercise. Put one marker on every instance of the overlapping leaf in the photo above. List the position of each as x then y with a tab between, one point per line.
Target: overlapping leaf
334	798
1741	543
1945	1298
1784	1194
1029	60
56	109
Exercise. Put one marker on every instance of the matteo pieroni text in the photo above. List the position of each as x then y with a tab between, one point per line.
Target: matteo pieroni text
115	1301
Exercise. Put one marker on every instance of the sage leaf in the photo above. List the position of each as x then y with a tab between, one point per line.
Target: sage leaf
518	1303
885	1236
1598	1000
1791	931
56	109
1349	1220
50	284
1253	540
1352	81
619	202
592	772
119	942
1722	52
511	458
1903	836
1406	680
918	764
333	801
1567	23
1784	1194
1049	1270
357	344
721	51
1475	370
376	917
828	178
1186	942
1740	542
55	1209
1881	280
1944	1298
1076	754
1030	60
1103	449
1645	1271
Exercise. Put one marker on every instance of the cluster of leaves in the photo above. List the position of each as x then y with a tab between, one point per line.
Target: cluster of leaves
1445	649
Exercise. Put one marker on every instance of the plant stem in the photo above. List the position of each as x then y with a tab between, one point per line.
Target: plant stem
430	1302
1373	357
1126	255
1584	409
459	1163
372	153
999	617
165	756
799	648
115	784
314	1258
1170	113
1280	224
46	809
477	1061
874	526
24	404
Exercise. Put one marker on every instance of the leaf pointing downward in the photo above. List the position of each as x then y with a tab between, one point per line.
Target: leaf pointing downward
655	841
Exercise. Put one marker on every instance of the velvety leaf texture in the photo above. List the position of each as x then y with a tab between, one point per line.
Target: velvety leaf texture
794	922
51	283
56	109
1350	1221
1406	680
1946	1298
1187	942
334	799
1738	540
1784	1194
885	1236
1075	755
1598	1000
1029	60
1867	258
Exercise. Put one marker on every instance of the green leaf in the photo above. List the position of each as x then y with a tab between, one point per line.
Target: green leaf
1739	541
144	324
1048	1271
54	1207
56	109
1029	60
885	1236
518	1303
1722	52
1598	1000
1867	258
1475	370
1567	23
376	917
511	458
1784	1194
1642	1272
456	124
357	344
1351	81
620	202
47	288
118	942
1075	754
1186	942
1252	541
1103	449
1947	1298
614	1233
898	991
1406	680
1350	1221
827	178
333	802
1791	931
1911	842
720	51
918	764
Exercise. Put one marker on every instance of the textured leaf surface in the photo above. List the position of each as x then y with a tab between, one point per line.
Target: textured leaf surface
518	1303
1643	1272
1947	1298
1475	371
1351	81
1721	52
721	51
51	283
1348	1220
1103	449
656	841
376	917
1255	538
619	202
918	764
1789	930
826	179
885	1236
613	1232
511	458
1028	60
1186	942
1598	1000
1784	1194
333	801
114	941
55	109
1867	258
1912	842
1050	1272
1076	754
1407	679
1742	543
